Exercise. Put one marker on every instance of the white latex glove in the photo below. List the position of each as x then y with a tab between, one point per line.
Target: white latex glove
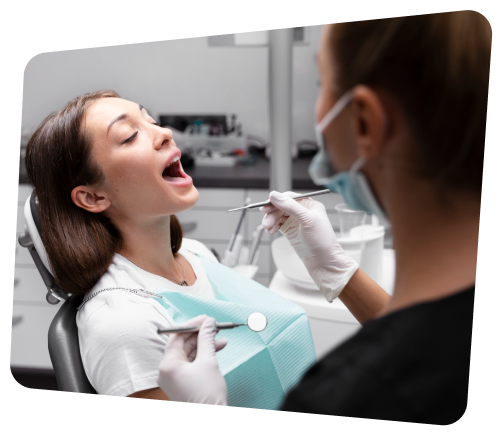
189	369
306	225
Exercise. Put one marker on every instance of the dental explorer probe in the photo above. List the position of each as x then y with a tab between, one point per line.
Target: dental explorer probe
193	329
297	197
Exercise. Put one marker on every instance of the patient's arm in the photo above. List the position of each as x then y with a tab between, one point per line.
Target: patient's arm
364	298
153	394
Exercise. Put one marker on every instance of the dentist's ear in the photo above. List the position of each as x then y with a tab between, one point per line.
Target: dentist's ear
89	199
372	123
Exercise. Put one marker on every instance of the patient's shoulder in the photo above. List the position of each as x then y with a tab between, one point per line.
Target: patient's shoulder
119	300
119	312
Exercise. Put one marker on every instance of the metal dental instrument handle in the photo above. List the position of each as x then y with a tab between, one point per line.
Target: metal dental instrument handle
190	329
297	197
247	201
257	235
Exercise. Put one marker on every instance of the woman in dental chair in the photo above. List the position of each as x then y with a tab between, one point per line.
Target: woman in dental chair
109	183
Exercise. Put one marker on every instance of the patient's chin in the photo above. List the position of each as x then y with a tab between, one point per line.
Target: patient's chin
188	200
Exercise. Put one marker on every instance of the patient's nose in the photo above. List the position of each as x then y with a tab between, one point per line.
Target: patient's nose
164	138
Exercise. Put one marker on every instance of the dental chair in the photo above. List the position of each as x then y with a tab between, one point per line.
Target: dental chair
63	334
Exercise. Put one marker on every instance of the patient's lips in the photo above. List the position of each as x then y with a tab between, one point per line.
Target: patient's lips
174	174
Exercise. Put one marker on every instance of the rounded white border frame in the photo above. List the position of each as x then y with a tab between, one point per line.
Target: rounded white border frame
31	27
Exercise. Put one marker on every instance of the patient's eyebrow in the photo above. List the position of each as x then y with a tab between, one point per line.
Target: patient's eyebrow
120	118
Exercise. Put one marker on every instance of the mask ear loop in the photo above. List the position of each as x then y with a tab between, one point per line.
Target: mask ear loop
324	171
332	113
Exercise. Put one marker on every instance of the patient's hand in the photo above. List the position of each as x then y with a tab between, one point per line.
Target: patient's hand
189	369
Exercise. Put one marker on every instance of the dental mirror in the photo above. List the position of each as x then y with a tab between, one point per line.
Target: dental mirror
257	322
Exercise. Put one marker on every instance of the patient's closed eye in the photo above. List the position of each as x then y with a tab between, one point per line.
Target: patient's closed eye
130	138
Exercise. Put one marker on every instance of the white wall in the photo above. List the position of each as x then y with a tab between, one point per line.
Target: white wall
181	76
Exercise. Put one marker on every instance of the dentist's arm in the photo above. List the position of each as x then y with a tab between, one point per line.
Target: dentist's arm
364	298
308	229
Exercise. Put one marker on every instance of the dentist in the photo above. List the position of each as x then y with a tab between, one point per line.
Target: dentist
401	126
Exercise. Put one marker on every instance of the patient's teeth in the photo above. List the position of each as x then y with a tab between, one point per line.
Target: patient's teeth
175	159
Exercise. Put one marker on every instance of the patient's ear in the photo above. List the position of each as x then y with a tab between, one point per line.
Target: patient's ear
90	199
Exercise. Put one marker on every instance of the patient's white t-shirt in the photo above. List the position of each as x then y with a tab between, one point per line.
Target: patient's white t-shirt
119	344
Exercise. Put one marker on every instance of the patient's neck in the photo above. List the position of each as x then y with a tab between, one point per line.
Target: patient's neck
148	245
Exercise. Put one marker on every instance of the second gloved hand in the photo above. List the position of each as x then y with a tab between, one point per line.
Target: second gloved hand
306	225
189	370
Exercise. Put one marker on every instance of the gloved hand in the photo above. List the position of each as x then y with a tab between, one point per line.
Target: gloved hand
189	369
306	225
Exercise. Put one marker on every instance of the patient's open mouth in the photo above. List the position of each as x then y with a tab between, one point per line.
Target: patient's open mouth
173	170
174	174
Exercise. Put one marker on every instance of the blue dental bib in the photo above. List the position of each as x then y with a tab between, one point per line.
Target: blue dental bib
259	368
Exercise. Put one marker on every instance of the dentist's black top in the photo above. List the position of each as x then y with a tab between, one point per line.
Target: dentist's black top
411	365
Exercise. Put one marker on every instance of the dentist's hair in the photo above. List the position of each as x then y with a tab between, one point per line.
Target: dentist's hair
437	69
80	245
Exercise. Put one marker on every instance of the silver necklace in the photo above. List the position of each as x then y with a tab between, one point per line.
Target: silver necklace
182	283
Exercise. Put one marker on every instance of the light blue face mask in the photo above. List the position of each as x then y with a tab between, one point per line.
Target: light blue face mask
352	184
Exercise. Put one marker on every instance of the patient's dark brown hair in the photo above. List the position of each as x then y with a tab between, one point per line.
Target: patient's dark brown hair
80	245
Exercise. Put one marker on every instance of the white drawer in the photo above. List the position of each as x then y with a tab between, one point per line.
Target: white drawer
23	193
29	335
220	198
210	224
29	285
